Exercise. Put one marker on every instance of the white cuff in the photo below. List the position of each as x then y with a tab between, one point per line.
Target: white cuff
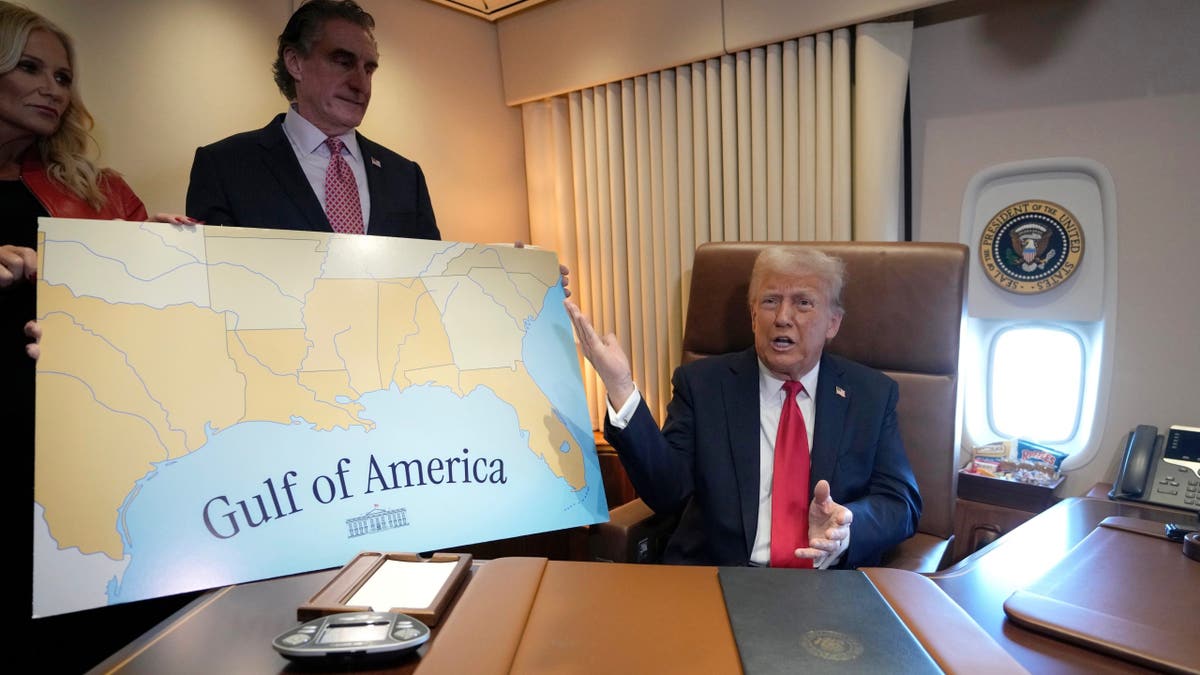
620	418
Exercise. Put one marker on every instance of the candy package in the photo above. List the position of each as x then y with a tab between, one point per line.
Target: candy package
1039	454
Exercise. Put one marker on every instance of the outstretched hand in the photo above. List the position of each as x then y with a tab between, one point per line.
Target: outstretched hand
605	355
828	526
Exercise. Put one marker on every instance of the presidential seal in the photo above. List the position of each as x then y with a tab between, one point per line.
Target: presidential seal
831	645
1031	246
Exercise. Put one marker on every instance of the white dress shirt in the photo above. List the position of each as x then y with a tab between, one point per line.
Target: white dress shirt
770	406
308	142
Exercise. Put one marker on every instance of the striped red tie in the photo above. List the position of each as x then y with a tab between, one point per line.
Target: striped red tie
789	484
341	192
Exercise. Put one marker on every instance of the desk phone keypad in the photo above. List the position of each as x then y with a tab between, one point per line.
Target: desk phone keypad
1184	483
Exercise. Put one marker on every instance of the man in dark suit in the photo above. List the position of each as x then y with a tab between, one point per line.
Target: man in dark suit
714	459
275	177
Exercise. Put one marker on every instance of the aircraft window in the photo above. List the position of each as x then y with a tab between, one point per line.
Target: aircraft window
1036	383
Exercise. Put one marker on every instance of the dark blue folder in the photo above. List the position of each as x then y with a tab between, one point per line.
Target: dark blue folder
816	621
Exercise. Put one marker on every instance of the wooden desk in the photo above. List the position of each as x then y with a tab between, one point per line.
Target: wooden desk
525	616
229	630
622	619
981	582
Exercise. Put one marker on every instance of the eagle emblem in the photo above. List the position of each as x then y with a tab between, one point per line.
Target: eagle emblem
1031	246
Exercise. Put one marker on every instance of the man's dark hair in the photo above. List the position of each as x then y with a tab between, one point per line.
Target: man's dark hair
303	29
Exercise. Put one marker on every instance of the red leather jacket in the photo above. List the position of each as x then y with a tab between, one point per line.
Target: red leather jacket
121	202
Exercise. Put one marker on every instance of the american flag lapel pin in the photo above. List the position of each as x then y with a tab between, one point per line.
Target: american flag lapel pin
376	163
839	391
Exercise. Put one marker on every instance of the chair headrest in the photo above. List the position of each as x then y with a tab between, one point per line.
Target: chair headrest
904	302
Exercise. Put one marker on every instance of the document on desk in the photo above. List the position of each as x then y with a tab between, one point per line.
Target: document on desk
816	621
218	405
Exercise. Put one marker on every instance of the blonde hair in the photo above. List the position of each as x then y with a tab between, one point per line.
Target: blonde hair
65	152
799	261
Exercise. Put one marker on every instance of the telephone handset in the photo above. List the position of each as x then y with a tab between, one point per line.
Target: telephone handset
1161	471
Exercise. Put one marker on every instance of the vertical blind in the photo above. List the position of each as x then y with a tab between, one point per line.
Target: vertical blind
626	179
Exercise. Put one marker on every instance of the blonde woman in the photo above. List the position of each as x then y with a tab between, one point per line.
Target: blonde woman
45	170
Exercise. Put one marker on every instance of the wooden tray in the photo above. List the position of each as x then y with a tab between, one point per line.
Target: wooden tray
339	594
1003	492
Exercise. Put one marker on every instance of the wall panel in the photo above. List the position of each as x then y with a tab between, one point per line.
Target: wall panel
568	45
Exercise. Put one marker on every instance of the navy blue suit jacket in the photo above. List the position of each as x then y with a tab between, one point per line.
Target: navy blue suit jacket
704	462
253	179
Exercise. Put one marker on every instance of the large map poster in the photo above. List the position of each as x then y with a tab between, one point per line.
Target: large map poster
219	405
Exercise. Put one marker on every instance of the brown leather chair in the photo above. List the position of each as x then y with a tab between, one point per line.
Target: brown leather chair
904	306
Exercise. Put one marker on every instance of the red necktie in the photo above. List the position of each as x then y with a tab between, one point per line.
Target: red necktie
341	192
789	484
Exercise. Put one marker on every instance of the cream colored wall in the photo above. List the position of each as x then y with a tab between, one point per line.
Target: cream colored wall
1115	81
566	45
159	82
750	23
438	100
162	78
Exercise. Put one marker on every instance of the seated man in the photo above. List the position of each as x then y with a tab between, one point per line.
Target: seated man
734	457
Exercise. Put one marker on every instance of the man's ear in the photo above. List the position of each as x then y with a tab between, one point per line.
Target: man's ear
834	324
291	59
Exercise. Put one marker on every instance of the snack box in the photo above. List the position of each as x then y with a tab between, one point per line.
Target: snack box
1028	451
1009	493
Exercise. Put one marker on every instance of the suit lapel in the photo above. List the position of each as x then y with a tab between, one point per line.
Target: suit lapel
740	393
280	161
831	402
373	164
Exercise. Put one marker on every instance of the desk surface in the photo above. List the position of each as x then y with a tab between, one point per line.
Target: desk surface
530	615
230	629
981	582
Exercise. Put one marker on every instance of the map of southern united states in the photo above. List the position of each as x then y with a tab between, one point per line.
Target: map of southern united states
210	340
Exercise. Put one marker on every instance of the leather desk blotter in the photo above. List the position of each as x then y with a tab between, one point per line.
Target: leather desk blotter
1125	590
533	616
530	615
817	621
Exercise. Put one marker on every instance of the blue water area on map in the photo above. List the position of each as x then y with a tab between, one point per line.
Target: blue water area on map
172	550
549	354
